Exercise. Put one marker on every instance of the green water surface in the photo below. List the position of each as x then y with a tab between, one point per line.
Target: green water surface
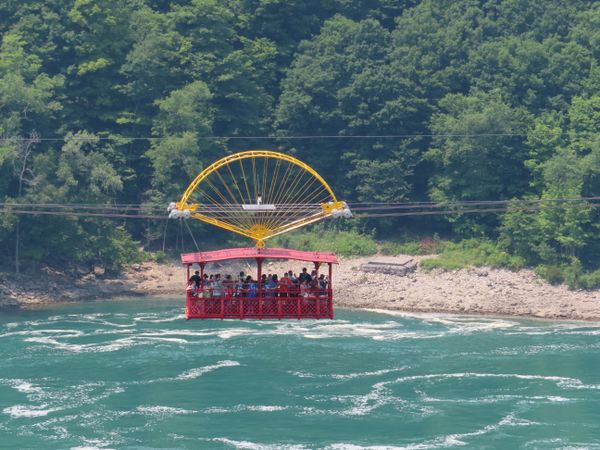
133	374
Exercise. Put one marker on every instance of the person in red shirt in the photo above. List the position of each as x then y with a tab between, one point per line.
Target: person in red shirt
284	285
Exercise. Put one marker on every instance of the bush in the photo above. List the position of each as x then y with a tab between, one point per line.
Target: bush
346	243
473	252
397	248
572	274
552	274
590	280
429	245
159	257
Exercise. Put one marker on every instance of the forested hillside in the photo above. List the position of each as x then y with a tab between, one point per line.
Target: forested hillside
125	101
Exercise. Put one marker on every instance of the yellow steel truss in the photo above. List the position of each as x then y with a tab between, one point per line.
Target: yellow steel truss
258	232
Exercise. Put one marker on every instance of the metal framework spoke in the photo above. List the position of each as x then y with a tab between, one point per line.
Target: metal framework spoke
259	194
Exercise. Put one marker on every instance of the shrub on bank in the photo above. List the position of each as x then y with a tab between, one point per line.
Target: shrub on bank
345	243
573	275
428	245
472	252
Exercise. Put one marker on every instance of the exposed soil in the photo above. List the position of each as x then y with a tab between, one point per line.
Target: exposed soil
468	291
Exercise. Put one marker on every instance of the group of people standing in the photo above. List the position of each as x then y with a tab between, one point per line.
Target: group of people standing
289	285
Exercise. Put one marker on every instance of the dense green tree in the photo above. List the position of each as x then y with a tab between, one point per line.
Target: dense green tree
100	37
479	149
184	121
567	166
342	84
489	99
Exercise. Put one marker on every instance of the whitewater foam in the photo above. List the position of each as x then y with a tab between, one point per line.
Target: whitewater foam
240	408
199	371
19	411
563	382
162	411
248	445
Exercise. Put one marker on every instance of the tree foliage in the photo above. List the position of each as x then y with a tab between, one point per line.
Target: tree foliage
487	100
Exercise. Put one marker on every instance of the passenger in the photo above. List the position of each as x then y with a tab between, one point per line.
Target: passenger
322	285
208	287
239	286
322	282
304	288
304	275
271	286
228	286
217	290
204	286
293	278
296	285
251	287
314	281
285	285
196	278
191	287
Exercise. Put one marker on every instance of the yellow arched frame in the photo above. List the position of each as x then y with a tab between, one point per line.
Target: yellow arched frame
258	233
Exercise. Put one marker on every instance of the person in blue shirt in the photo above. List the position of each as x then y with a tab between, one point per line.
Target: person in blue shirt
271	286
251	287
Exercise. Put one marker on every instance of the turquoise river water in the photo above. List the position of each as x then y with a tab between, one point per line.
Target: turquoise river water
133	374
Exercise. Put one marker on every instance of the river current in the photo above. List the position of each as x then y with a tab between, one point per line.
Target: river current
133	374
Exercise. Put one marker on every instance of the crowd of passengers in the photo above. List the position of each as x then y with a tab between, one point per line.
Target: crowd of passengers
289	285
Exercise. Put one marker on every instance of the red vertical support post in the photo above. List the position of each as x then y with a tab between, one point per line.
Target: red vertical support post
188	295
330	291
279	308
260	287
317	293
188	300
202	298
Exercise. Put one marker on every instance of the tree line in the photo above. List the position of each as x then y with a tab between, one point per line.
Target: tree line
486	100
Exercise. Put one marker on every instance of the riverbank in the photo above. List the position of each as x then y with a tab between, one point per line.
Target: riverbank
466	291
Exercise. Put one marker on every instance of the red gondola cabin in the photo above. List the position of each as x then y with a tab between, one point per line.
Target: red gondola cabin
238	302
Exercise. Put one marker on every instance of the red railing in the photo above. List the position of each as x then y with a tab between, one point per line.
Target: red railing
263	304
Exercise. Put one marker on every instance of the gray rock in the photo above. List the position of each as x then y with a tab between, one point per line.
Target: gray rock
400	269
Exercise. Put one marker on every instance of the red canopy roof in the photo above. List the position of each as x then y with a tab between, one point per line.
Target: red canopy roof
253	252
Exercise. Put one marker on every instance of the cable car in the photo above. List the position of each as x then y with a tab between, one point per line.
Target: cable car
239	299
258	194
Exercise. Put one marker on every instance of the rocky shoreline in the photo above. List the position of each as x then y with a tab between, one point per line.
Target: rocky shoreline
480	291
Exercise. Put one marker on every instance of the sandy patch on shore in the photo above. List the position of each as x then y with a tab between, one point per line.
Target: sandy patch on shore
467	291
